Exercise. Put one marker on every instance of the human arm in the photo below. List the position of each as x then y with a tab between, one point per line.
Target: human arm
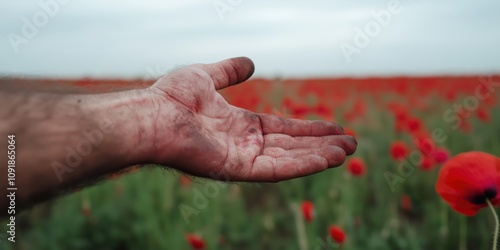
181	121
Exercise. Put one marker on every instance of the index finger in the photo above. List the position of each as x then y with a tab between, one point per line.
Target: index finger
272	124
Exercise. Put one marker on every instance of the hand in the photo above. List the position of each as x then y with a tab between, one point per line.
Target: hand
196	131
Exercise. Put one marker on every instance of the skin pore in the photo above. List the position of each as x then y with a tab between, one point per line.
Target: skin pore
64	140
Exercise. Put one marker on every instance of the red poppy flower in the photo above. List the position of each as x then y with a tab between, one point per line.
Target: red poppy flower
337	234
359	107
351	132
322	109
427	163
356	166
86	211
425	145
307	208
414	124
441	155
483	115
398	150
185	181
491	101
300	111
467	180
465	126
401	116
195	241
349	116
450	95
406	204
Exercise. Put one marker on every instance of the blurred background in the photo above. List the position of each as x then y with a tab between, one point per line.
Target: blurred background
390	72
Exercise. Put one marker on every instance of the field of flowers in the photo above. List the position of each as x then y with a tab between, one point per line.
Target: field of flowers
383	197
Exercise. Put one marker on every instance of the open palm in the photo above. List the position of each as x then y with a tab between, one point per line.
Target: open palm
211	138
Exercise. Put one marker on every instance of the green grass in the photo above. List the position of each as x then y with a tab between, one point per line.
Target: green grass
260	216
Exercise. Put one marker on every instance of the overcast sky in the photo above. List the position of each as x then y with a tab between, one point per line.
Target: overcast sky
126	38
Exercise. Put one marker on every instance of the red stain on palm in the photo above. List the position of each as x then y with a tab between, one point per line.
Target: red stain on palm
197	104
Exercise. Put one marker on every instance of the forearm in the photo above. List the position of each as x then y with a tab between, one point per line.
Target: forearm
66	140
70	86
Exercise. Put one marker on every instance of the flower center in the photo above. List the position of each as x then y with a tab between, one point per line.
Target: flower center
479	199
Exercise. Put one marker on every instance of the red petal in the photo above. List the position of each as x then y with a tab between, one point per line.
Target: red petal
465	176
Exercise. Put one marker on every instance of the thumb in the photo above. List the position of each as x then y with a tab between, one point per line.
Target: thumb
230	71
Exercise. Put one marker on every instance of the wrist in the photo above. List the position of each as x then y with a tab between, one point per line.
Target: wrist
118	127
142	123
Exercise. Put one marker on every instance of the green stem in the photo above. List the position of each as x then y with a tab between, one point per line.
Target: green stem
444	225
495	235
463	233
301	230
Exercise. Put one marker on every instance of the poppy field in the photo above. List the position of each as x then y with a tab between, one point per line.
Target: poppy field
388	195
